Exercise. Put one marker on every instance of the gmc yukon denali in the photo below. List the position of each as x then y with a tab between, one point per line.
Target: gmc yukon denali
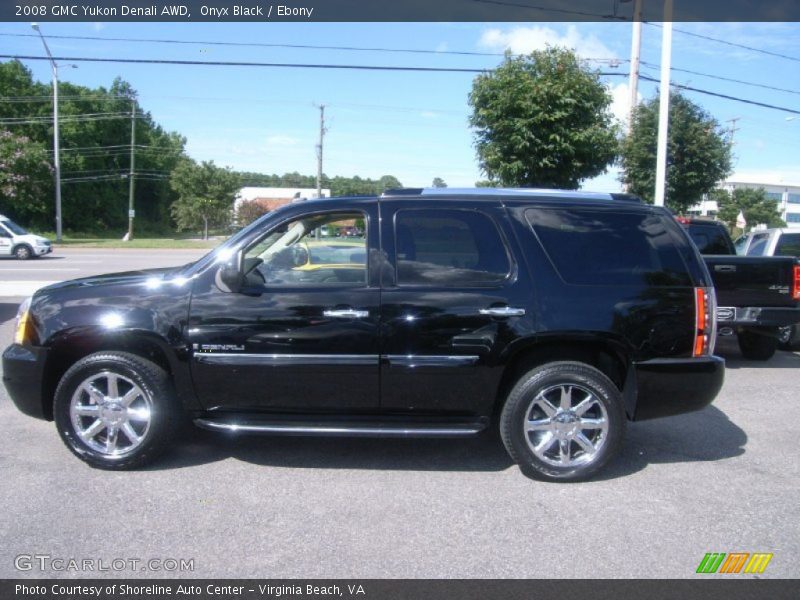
554	316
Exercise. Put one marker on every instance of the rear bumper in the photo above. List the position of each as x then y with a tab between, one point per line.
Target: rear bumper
23	376
757	316
669	387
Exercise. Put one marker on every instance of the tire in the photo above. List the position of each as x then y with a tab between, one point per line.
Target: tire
788	337
23	252
755	346
537	396
143	411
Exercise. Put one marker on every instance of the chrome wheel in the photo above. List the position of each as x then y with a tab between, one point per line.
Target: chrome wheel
784	334
566	425
110	414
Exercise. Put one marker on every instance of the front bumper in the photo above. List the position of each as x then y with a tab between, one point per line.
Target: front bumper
42	250
669	386
23	376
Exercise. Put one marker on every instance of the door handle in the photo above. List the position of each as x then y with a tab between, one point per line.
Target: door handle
346	313
502	311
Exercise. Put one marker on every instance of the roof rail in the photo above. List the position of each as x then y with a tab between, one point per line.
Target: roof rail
492	191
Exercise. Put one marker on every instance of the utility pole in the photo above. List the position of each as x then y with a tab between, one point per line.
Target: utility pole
636	48
663	107
131	178
732	129
56	145
319	149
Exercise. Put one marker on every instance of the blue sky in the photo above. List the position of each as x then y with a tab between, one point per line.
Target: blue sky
411	125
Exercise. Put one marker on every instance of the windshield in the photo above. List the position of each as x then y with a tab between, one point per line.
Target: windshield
14	228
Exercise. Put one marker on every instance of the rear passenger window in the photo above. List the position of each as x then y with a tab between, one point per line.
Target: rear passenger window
709	239
788	245
593	247
460	248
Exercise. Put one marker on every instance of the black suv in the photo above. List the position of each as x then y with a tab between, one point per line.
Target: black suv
556	315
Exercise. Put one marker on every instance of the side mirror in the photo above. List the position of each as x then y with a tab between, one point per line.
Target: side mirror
230	275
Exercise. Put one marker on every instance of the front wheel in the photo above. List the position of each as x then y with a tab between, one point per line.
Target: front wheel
23	252
563	421
755	346
115	410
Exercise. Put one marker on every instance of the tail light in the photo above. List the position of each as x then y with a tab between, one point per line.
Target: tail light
705	308
796	286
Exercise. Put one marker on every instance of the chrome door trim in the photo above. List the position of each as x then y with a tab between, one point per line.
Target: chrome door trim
246	359
411	361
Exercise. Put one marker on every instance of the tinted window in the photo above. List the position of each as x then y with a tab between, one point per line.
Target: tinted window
758	244
593	247
709	239
788	245
448	247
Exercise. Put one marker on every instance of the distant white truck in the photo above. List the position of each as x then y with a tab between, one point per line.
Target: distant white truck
17	242
775	242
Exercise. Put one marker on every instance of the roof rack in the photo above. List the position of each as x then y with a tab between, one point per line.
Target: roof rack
527	192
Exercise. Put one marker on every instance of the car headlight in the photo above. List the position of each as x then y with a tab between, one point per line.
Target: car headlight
23	326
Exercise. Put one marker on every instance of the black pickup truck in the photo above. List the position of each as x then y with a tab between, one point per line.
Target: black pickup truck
756	295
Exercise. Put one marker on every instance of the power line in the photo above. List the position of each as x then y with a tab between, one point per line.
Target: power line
727	43
725	96
281	45
721	78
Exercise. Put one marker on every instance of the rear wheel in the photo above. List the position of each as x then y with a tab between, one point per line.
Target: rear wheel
115	410
563	421
756	346
788	337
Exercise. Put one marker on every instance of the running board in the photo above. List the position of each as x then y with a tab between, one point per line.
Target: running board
344	428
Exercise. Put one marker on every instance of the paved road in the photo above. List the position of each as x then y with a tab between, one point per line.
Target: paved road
22	278
724	479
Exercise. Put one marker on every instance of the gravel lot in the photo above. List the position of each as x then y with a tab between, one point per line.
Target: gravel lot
721	480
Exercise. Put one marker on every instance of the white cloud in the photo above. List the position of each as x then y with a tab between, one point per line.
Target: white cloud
98	26
523	40
442	47
428	114
281	140
621	101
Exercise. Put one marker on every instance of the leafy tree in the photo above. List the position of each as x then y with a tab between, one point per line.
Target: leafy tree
438	182
753	203
95	153
205	195
542	120
26	184
698	153
250	210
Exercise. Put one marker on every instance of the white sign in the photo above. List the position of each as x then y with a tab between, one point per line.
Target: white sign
131	213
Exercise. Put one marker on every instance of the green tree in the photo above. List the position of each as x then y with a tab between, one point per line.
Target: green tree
438	182
698	153
542	120
205	195
752	203
95	152
26	180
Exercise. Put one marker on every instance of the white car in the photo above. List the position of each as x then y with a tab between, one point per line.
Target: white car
15	241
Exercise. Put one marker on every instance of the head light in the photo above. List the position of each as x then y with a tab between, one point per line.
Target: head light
22	327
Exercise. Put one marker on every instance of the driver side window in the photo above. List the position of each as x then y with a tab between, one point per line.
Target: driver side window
314	250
